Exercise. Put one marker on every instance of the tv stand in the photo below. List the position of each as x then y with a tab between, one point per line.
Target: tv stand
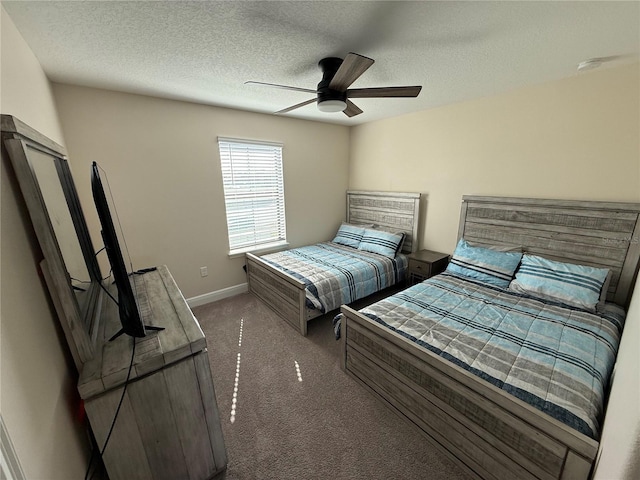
168	426
146	327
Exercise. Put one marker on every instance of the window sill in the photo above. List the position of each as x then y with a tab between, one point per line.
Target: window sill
270	247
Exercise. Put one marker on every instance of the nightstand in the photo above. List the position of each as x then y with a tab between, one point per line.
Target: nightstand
424	264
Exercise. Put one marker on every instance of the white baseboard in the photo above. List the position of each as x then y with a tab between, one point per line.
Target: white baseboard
217	295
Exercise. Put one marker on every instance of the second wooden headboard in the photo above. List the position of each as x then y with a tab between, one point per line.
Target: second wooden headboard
393	211
600	234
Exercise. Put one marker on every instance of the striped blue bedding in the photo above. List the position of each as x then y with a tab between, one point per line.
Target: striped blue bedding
335	274
555	358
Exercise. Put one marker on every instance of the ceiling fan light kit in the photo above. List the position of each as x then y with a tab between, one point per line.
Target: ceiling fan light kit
333	93
332	106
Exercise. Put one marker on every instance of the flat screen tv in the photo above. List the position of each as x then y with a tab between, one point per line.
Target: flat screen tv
116	247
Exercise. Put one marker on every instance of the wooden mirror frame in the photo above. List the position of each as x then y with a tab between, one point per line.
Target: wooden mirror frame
19	141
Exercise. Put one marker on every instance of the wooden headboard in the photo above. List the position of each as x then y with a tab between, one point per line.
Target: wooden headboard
393	211
600	234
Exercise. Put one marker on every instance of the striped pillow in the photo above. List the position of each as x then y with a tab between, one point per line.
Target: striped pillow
484	264
574	285
349	235
379	241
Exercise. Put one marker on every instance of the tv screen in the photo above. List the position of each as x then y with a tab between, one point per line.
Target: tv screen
117	254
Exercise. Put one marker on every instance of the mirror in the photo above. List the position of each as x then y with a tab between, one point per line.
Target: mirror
69	266
46	174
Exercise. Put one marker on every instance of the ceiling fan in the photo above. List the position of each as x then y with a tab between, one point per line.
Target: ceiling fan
333	92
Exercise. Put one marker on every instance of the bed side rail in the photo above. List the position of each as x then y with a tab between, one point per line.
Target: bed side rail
487	431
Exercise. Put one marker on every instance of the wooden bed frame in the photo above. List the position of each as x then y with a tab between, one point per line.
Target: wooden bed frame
394	211
489	433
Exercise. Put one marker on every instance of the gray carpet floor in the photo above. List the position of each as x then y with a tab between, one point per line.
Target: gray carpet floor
296	414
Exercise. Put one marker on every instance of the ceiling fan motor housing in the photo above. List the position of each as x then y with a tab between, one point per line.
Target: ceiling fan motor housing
329	67
333	93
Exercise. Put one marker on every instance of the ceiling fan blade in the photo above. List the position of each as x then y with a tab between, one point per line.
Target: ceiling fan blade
383	92
351	68
352	109
285	87
296	106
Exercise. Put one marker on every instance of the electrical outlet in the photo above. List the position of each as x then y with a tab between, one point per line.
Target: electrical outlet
203	271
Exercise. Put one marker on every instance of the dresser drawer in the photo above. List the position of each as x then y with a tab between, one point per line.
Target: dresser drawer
425	264
419	268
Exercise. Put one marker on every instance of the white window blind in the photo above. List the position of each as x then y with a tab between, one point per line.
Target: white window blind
253	193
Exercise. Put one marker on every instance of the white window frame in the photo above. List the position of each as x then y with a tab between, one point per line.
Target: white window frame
253	181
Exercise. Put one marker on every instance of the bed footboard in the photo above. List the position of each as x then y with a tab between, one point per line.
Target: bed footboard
489	433
280	291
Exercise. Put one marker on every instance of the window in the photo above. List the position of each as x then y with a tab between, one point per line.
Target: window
253	193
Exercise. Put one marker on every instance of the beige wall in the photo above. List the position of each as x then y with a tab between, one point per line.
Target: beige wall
577	138
162	160
36	389
572	139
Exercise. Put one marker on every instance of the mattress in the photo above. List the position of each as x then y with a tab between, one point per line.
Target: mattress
555	358
334	274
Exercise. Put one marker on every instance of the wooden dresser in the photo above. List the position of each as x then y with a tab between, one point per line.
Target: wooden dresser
168	426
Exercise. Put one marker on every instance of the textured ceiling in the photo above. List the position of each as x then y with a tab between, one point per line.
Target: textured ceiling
205	51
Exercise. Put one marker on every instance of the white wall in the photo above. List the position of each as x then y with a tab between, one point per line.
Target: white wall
37	391
162	160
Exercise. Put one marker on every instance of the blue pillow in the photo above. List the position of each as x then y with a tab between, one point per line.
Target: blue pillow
574	285
484	264
349	235
381	242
